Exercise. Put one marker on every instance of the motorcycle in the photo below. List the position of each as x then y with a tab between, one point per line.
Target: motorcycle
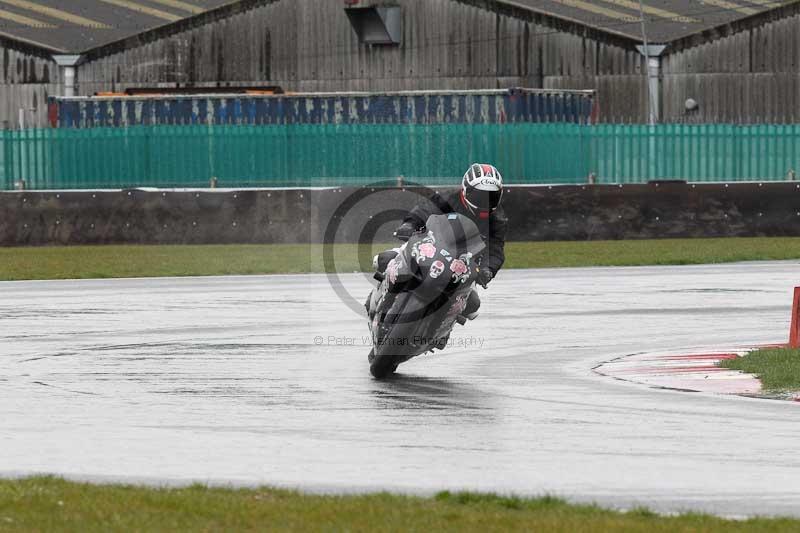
423	287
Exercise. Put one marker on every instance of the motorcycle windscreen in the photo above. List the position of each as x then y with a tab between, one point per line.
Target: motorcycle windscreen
457	233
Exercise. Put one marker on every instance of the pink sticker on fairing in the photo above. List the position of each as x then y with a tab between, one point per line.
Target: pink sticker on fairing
458	306
458	267
436	269
392	269
427	249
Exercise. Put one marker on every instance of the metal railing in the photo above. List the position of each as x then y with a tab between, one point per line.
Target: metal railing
325	155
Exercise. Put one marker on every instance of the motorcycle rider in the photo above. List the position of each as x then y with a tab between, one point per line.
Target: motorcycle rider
479	199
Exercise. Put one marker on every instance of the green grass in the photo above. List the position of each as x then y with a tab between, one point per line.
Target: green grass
50	504
82	262
777	368
650	252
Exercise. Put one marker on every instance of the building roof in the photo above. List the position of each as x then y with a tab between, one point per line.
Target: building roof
80	25
665	20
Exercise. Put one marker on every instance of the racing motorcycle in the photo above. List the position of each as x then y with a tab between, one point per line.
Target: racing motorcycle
422	291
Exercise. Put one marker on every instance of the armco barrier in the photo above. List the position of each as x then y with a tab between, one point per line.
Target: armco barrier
568	212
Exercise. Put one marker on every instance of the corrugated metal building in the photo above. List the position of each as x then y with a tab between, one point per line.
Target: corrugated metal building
713	60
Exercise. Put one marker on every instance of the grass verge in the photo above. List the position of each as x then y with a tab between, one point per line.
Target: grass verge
51	504
777	368
82	262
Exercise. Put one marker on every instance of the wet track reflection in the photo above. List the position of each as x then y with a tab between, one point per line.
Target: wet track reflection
251	380
408	391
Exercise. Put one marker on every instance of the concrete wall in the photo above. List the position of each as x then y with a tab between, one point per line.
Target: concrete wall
365	214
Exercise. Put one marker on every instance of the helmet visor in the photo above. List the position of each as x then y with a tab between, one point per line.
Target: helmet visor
484	200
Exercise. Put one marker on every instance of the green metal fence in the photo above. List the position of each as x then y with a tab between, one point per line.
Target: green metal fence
697	152
319	155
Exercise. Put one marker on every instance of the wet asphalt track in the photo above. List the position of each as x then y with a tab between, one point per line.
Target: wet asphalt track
220	380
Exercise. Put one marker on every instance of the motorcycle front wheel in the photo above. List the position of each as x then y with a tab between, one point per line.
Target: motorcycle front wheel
382	368
394	348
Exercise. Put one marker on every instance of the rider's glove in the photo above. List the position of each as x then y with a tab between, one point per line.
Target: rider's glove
405	231
484	277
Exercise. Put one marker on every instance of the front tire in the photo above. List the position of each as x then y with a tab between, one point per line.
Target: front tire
382	367
387	355
378	368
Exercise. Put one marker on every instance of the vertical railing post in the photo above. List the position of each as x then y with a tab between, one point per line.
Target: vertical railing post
22	160
793	157
794	331
6	181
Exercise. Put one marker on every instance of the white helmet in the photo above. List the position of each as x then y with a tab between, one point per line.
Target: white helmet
482	189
